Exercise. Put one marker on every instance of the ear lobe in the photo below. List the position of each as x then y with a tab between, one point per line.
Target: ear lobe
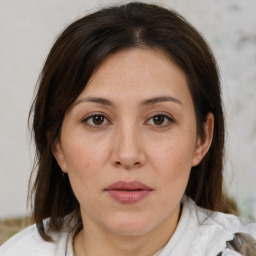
59	156
204	142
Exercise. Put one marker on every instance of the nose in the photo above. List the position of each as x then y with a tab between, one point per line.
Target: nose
128	147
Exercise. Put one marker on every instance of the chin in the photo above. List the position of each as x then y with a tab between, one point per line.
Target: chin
127	226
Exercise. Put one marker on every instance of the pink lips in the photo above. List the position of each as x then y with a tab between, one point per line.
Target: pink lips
128	192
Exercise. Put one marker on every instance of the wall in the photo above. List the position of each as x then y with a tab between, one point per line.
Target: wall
28	29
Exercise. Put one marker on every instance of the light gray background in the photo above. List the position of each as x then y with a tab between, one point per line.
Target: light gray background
29	27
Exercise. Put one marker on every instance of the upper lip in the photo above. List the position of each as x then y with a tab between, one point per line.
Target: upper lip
131	185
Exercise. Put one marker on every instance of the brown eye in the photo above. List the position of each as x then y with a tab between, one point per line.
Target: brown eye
96	120
159	119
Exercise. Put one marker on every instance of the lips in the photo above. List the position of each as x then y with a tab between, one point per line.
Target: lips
128	192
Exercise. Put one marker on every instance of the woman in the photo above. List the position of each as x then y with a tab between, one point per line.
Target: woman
129	133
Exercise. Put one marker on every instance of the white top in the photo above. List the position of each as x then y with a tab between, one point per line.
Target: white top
199	233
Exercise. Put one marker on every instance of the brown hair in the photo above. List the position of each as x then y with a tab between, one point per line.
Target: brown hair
76	54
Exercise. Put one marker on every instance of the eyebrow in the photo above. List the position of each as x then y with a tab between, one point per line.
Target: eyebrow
161	99
95	100
150	101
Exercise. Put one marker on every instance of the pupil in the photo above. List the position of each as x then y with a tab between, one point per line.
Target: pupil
98	120
158	120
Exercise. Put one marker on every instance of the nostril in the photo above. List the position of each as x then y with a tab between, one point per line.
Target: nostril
117	163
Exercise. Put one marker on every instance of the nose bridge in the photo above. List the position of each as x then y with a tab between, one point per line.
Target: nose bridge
128	147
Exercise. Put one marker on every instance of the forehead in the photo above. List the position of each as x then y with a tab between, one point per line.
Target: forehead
137	74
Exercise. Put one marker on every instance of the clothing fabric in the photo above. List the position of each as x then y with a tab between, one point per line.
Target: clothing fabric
199	233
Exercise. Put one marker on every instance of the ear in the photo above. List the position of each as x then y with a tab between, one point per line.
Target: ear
59	155
204	142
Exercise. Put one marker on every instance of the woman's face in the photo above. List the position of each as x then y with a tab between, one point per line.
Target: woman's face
128	143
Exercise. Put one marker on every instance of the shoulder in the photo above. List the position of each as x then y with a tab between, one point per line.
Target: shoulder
28	242
202	232
227	223
225	232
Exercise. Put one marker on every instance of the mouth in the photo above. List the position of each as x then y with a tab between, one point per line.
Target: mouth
128	192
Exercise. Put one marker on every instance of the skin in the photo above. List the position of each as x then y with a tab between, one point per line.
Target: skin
129	144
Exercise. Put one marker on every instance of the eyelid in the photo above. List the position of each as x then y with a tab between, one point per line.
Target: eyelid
169	117
91	115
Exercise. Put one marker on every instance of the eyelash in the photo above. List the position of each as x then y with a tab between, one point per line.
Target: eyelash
94	126
167	121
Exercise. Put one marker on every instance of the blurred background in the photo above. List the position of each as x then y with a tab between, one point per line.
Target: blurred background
28	29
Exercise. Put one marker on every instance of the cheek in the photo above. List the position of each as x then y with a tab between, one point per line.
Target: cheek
176	154
85	161
78	158
82	155
172	162
83	170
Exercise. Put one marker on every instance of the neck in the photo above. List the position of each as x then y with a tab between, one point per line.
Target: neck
88	240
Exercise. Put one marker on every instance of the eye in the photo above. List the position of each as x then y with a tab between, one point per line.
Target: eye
160	120
96	120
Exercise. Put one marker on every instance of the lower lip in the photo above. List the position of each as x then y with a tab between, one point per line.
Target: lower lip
128	197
